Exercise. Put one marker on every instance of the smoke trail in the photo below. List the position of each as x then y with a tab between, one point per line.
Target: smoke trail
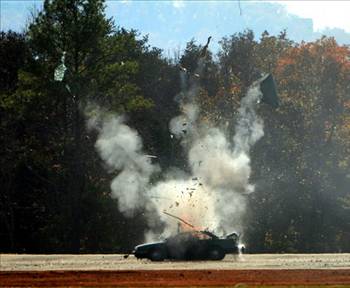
250	128
121	148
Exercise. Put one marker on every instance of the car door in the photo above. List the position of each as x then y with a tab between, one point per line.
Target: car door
200	246
177	246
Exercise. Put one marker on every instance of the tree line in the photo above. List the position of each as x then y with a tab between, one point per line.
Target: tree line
55	195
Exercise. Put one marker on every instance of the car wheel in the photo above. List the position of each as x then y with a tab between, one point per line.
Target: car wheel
216	253
157	255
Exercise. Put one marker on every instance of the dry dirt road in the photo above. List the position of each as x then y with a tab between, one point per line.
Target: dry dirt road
114	270
25	262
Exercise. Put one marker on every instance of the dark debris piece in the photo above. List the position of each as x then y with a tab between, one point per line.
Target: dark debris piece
203	52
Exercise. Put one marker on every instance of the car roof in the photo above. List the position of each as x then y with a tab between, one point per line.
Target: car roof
194	232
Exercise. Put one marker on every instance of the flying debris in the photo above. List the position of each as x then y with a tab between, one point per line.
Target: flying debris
178	218
68	88
203	52
240	8
60	72
183	69
268	90
151	156
60	69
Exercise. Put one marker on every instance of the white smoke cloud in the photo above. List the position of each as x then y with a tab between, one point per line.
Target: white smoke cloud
212	194
121	148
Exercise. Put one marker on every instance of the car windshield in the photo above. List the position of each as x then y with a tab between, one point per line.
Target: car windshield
189	235
234	236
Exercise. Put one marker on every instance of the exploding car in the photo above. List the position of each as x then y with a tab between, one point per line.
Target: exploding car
191	245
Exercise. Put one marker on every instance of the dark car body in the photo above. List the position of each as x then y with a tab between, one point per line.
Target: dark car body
193	245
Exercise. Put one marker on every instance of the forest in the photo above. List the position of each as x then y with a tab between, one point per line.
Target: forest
55	188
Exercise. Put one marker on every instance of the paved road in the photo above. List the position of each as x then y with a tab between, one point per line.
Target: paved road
20	262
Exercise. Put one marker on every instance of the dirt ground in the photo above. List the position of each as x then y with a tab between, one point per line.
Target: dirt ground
173	278
114	270
25	262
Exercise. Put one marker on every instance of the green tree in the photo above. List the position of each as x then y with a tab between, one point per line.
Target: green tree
301	160
59	165
12	58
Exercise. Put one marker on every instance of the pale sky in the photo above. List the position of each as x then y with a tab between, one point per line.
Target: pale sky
323	13
161	19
